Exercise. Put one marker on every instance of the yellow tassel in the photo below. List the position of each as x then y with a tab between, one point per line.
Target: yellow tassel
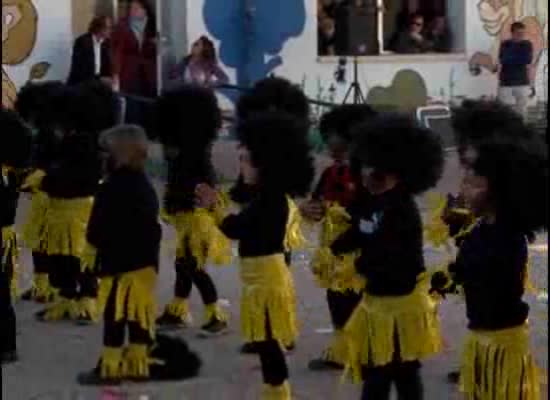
34	225
89	258
65	226
34	180
9	247
41	289
64	309
111	363
282	392
294	239
178	308
436	231
214	311
337	351
497	365
378	321
87	307
268	292
136	362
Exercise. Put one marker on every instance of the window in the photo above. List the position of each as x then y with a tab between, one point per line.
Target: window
377	27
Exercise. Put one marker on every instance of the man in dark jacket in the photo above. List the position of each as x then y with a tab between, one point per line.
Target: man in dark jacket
92	53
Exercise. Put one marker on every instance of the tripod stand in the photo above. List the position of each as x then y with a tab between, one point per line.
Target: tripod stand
355	88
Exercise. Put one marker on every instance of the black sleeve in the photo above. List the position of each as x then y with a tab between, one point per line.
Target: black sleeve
348	242
76	61
235	226
106	63
99	217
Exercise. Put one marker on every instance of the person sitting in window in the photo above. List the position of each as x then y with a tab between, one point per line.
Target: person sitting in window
412	40
439	35
201	67
327	37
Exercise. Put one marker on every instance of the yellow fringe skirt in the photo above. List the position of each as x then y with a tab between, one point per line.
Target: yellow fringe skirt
135	297
10	257
199	235
383	329
35	223
66	221
497	365
268	300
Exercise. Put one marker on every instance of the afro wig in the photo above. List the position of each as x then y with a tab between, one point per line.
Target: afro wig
87	108
517	173
396	144
35	103
178	361
274	94
280	151
15	141
480	121
342	119
189	118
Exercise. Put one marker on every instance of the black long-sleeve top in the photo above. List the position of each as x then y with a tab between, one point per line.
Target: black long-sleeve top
261	227
388	231
46	149
77	171
124	225
8	199
185	172
491	267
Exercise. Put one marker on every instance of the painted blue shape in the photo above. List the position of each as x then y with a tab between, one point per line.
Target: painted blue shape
252	31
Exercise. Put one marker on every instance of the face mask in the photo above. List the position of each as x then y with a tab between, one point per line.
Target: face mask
138	23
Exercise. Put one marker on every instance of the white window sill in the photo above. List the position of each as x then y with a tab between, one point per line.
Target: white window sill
398	58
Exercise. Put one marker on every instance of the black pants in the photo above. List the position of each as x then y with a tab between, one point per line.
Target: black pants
189	273
405	376
40	263
114	332
342	306
272	357
7	313
65	275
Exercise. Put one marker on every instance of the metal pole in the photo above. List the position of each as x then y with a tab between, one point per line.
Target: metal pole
159	44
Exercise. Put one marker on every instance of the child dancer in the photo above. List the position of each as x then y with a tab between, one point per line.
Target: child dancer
335	192
15	149
275	160
82	112
505	186
124	229
189	122
395	325
36	106
270	94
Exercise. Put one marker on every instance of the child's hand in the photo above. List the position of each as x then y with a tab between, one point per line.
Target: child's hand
313	209
205	196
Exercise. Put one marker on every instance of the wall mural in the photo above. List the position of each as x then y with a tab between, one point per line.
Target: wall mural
252	33
497	17
19	34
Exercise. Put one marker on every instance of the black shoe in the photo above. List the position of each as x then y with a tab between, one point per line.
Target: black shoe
290	348
250	348
27	296
321	364
213	328
9	357
453	377
169	321
85	320
93	378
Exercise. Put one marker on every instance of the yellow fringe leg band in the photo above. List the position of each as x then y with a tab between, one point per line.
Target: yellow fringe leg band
34	225
88	308
498	365
135	297
111	363
381	326
65	309
268	295
214	312
66	221
136	362
294	237
198	233
282	392
10	251
337	352
179	308
41	289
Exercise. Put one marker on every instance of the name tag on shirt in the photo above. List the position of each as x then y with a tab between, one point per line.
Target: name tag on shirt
369	227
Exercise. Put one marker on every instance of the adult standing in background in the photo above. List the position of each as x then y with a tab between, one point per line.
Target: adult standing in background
201	67
91	57
134	46
516	57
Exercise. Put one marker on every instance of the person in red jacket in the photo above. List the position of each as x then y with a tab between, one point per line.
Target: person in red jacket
135	51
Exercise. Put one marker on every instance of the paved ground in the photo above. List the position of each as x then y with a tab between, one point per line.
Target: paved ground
52	355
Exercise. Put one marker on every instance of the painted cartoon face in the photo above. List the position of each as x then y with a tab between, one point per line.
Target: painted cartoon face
494	14
11	15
